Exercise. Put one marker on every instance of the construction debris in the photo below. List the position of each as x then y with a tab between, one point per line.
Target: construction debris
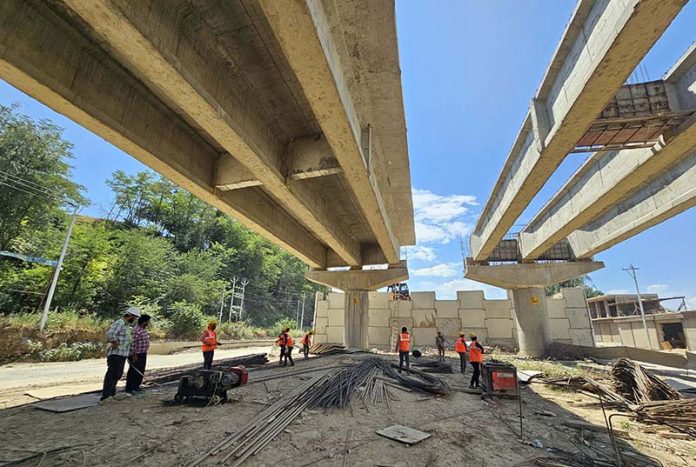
679	414
403	434
637	385
430	366
590	387
326	349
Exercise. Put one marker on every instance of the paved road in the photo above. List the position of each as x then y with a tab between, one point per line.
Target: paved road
44	380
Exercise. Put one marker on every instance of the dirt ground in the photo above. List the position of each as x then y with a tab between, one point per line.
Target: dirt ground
464	428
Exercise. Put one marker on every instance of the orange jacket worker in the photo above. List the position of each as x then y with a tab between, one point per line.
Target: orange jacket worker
403	346
306	341
461	349
209	343
475	358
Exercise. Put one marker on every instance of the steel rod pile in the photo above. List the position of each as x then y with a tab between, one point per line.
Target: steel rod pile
335	389
679	414
172	374
430	366
638	385
589	385
326	349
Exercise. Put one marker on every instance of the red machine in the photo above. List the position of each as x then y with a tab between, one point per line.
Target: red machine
499	379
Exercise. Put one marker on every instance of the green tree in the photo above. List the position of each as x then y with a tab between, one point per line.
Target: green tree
582	281
34	175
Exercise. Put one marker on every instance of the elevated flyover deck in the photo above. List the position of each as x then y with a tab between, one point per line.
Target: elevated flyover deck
287	115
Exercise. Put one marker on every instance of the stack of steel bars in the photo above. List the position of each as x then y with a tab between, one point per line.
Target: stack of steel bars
638	385
326	349
333	390
172	374
679	414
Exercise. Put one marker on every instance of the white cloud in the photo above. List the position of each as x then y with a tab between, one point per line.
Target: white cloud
657	288
438	218
691	303
422	253
439	270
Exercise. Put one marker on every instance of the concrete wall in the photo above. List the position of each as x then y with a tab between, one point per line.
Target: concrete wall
628	330
492	320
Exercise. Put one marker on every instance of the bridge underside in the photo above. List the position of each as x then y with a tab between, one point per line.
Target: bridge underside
291	121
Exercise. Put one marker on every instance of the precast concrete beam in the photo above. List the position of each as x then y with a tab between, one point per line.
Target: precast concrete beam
368	279
602	45
608	178
670	194
149	39
46	58
305	36
311	157
520	276
230	174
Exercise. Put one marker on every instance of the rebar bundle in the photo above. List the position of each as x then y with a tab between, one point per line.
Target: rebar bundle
335	389
680	414
326	349
637	385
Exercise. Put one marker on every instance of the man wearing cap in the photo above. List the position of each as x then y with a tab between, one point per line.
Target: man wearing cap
119	338
209	343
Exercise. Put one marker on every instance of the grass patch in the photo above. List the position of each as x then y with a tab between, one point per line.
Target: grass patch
549	368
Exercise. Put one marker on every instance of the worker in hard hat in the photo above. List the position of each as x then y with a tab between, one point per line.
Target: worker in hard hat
476	359
119	338
209	343
306	341
461	349
289	346
403	346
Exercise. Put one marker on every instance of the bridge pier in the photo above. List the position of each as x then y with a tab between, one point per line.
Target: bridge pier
357	283
527	282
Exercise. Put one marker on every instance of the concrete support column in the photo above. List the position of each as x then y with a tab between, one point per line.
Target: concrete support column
533	333
357	319
356	283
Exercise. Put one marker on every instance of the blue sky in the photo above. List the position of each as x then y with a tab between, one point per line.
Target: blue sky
469	71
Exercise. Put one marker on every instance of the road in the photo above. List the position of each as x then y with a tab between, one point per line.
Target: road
26	382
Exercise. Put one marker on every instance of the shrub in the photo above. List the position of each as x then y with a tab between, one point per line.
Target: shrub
282	324
71	353
241	330
186	320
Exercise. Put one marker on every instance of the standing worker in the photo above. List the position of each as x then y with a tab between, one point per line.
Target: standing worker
281	342
441	343
119	337
403	346
476	359
460	348
138	356
289	345
306	341
209	343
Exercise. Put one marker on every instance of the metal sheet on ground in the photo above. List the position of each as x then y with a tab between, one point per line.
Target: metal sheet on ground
69	404
403	434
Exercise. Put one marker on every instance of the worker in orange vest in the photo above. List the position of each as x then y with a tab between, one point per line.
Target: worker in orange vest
289	345
403	346
461	349
209	343
476	359
306	341
281	342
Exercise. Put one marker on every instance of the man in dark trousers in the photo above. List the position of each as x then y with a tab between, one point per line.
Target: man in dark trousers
441	343
476	359
306	342
119	337
461	349
403	346
138	357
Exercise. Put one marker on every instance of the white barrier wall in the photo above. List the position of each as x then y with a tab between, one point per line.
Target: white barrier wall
491	320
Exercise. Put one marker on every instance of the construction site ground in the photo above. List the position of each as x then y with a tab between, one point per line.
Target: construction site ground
464	429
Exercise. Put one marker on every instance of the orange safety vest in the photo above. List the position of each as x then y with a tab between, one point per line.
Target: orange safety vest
305	339
281	340
404	342
475	354
209	341
289	341
460	345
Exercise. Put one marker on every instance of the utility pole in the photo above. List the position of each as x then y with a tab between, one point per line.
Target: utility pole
234	287
222	303
632	272
302	315
297	314
56	272
245	282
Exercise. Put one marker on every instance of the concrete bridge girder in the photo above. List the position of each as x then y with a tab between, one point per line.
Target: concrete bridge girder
601	46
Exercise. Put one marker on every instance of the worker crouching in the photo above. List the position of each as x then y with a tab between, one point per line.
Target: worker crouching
209	343
475	358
